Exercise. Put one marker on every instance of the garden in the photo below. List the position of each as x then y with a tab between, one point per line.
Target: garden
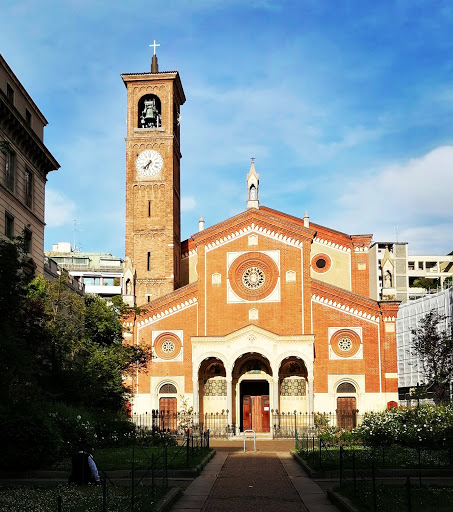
399	460
135	464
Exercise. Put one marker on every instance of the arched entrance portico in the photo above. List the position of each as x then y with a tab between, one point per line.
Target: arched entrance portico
252	383
255	363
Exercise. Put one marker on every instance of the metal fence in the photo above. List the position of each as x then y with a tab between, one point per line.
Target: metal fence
147	479
283	425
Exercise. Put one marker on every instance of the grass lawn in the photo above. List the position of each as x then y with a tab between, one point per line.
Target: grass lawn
395	499
75	499
90	498
108	459
389	457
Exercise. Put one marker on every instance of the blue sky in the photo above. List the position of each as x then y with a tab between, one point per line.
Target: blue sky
346	106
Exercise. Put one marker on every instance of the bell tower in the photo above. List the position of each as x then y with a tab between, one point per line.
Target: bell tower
153	213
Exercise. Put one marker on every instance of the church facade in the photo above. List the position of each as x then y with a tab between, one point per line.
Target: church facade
263	312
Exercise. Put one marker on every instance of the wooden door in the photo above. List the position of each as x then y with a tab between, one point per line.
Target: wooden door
346	412
246	418
255	413
167	414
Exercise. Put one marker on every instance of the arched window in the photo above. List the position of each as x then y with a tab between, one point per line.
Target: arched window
149	112
167	388
346	387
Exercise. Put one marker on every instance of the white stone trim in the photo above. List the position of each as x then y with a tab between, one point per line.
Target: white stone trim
257	230
166	313
333	245
346	309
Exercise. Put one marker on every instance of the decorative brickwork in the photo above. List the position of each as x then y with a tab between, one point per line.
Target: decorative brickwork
345	343
253	276
167	345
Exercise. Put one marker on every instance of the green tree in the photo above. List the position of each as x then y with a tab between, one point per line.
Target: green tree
433	346
426	282
22	324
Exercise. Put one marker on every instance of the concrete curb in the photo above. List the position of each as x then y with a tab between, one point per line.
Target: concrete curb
169	499
341	502
379	473
313	474
44	477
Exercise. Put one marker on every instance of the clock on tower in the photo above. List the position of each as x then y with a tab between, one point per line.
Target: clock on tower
153	219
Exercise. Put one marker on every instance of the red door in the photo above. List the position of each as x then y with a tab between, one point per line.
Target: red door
167	414
246	418
346	412
255	413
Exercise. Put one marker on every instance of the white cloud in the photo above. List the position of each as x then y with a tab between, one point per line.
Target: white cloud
188	203
60	210
415	195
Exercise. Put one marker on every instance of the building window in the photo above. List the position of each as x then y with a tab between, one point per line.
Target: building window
168	388
28	188
108	281
148	261
10	171
28	239
321	263
10	93
9	225
346	387
92	281
28	117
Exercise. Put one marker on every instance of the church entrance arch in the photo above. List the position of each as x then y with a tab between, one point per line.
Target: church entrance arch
213	386
292	379
252	375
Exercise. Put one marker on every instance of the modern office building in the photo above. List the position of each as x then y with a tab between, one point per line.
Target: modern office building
394	272
100	273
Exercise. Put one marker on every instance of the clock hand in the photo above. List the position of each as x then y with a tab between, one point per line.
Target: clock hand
148	164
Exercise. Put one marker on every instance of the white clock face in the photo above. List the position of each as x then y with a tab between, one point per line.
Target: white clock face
149	163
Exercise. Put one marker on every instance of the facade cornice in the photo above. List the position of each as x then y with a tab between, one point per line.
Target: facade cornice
338	298
252	221
166	305
25	139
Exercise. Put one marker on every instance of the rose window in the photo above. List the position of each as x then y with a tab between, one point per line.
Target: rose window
345	343
253	278
168	346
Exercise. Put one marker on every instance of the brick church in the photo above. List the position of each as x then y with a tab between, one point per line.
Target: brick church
262	312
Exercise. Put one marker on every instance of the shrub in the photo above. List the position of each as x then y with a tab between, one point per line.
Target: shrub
29	439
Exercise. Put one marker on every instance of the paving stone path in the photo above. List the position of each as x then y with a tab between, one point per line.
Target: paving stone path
264	481
253	481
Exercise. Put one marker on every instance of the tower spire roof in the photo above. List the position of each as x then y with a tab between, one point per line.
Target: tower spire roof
253	180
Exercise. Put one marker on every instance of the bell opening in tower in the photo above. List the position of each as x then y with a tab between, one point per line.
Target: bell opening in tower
149	112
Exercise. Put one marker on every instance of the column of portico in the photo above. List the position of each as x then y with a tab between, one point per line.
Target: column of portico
229	381
196	405
311	394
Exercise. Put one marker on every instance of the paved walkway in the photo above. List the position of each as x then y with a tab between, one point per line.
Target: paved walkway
266	481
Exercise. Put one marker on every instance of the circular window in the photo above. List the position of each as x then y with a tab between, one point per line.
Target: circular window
321	263
253	276
167	345
345	343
